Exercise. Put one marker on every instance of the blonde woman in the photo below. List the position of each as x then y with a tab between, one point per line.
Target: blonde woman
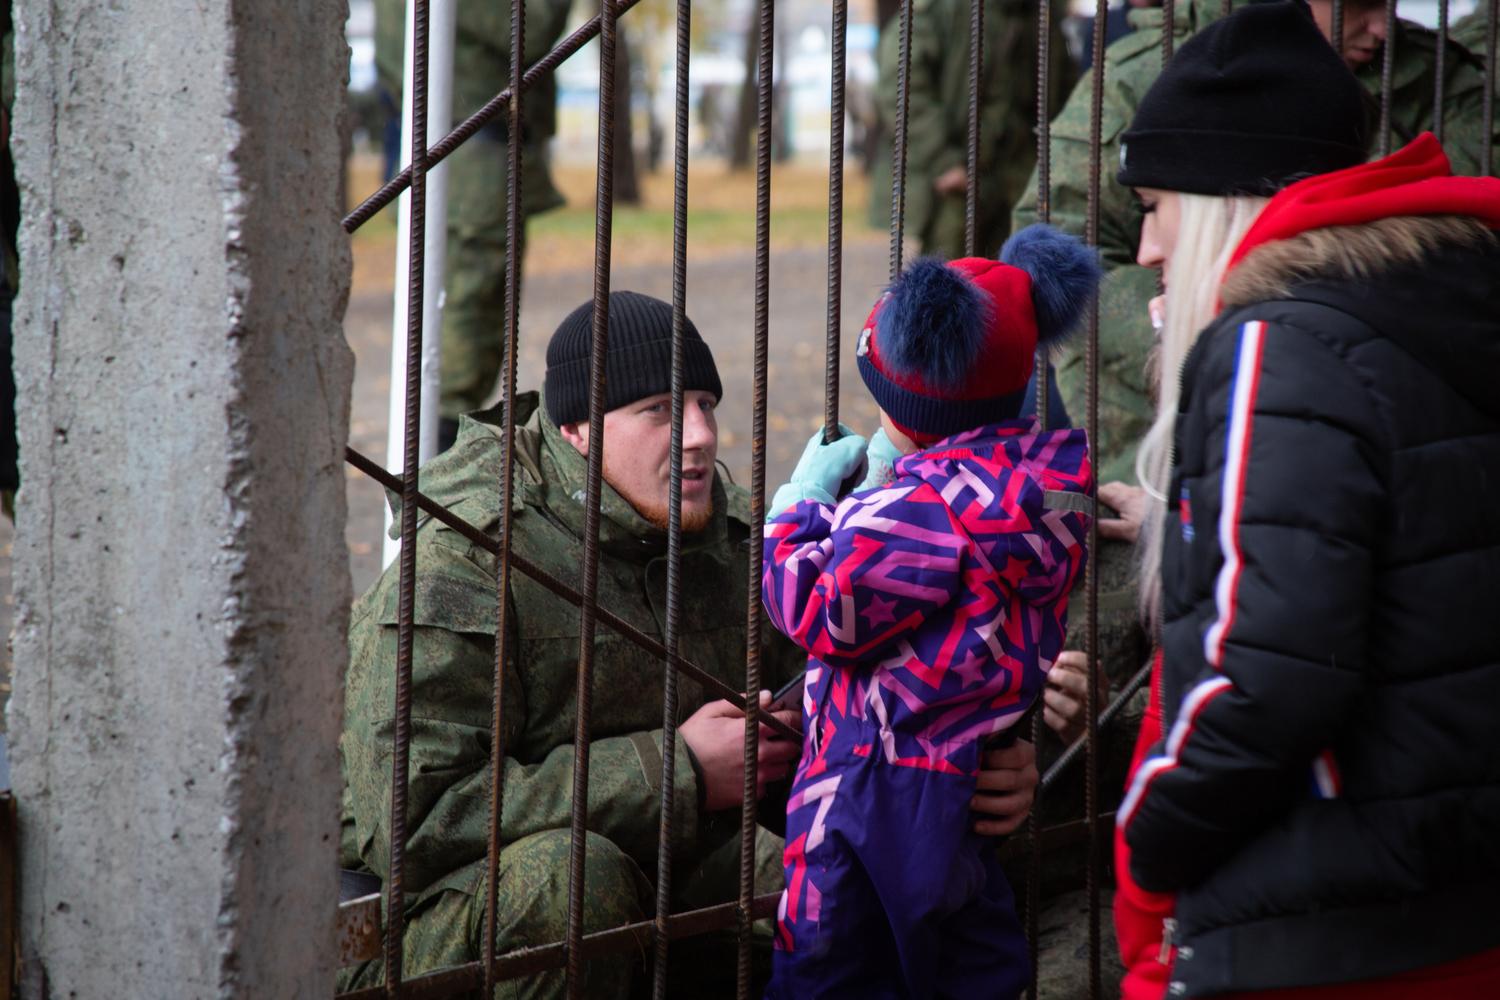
1322	553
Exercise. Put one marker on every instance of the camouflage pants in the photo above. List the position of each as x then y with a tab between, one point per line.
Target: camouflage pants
446	929
474	286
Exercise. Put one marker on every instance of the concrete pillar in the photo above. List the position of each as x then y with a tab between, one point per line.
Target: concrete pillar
181	579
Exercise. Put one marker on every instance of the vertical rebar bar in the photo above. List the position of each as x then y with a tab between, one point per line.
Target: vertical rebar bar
976	75
513	224
1337	28
1168	27
1439	70
603	229
1091	757
1387	71
407	581
1043	406
831	352
757	485
674	500
1487	136
1043	182
898	143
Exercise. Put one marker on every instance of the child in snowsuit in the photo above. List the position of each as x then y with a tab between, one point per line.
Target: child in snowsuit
931	602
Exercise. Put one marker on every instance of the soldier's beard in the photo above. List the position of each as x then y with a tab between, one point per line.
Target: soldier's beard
655	510
694	519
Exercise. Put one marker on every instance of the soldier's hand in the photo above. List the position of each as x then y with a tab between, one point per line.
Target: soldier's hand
951	182
1131	503
1005	789
1065	698
716	735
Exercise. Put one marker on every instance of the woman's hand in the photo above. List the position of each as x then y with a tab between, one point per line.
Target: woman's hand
1131	503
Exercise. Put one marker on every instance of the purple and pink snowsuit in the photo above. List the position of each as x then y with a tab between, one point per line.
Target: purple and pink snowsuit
931	609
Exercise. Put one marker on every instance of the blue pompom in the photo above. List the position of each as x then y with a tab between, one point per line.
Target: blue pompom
933	325
1065	274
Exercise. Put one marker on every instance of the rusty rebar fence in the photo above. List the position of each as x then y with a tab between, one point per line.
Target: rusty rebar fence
656	934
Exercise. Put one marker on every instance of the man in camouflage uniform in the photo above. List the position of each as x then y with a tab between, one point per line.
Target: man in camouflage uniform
937	132
453	666
1131	64
474	285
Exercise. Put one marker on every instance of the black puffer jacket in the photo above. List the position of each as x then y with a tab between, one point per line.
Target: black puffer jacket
1327	802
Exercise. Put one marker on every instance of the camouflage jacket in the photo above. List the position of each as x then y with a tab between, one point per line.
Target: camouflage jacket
1131	66
1471	31
453	666
481	69
938	113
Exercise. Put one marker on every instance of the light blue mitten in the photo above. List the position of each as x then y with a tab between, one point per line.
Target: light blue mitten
820	471
881	457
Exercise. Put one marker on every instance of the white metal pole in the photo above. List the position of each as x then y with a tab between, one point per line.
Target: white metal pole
442	27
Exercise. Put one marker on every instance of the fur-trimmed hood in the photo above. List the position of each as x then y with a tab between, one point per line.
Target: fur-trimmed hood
1429	283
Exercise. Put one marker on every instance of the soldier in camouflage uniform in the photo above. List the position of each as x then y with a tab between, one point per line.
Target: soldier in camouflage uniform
1131	64
937	131
453	667
474	285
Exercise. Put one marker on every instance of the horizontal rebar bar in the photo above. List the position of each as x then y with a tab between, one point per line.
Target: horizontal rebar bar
567	593
542	958
440	151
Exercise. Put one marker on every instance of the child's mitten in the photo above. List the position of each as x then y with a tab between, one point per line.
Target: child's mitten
881	457
820	471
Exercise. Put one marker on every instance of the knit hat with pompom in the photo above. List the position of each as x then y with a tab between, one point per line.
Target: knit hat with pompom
951	345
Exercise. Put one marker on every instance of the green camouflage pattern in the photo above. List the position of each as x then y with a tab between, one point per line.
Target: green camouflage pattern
447	929
474	286
1471	31
938	119
452	685
1131	66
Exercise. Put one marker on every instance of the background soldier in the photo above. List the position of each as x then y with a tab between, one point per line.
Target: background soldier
1125	335
938	123
474	285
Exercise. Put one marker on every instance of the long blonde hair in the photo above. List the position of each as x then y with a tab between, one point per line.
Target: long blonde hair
1209	229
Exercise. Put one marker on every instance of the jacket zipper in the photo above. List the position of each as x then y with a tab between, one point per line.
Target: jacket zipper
1168	932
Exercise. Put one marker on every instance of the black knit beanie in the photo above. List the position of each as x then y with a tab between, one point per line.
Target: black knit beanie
638	360
1249	104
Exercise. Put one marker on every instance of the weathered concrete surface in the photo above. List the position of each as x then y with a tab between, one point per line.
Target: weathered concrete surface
182	584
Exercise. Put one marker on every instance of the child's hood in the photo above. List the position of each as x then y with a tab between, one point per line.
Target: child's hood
1020	494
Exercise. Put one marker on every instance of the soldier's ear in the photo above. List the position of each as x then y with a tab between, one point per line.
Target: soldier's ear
577	435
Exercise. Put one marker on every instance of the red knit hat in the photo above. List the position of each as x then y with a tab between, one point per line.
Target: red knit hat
950	346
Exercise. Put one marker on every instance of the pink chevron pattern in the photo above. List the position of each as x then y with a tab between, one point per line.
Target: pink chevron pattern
930	607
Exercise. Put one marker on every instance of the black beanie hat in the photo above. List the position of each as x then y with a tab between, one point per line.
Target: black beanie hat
1249	104
638	359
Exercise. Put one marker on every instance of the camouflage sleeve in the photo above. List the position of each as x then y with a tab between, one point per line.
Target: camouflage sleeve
450	776
1463	118
1125	334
